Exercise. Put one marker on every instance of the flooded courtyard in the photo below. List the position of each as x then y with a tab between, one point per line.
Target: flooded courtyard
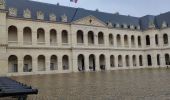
142	84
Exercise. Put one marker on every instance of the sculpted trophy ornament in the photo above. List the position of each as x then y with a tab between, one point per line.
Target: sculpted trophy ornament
2	4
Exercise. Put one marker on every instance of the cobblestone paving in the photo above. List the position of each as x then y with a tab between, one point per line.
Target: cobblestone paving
143	84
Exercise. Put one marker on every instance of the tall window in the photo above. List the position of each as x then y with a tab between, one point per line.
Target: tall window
165	38
147	40
156	39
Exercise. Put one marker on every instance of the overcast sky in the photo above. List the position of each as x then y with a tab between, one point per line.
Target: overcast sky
136	8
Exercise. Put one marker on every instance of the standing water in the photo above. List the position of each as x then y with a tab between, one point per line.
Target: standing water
142	84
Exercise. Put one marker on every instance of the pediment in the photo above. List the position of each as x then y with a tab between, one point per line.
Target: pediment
90	21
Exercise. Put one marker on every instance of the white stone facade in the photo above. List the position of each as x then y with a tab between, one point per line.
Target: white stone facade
30	47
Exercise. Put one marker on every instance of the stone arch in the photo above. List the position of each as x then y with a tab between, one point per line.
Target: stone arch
112	61
27	36
41	36
140	60
111	41
92	62
158	59
81	62
53	37
12	63
165	38
100	38
134	60
12	34
120	62
102	61
139	41
64	36
149	59
118	37
156	39
80	37
90	37
133	41
53	62
65	62
27	63
127	60
41	63
126	41
167	59
147	40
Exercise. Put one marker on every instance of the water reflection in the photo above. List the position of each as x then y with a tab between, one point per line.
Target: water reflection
112	85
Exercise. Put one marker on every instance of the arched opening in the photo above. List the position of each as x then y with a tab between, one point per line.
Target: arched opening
64	37
12	35
92	64
53	37
102	62
80	38
100	38
112	61
27	64
65	62
167	59
140	60
126	42
158	59
27	36
53	62
134	60
111	41
81	65
127	60
147	40
133	41
156	39
149	58
165	39
41	36
118	40
139	41
120	62
41	63
13	63
90	38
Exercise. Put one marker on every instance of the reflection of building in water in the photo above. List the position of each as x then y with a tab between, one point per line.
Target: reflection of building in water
37	40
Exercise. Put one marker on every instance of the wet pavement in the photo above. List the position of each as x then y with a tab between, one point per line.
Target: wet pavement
142	84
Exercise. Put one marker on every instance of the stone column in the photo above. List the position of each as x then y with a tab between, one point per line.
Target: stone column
20	64
122	41
85	37
95	39
59	38
34	64
106	40
107	59
162	60
130	42
137	61
130	61
124	61
60	65
47	37
20	36
115	41
116	61
136	41
75	64
34	37
47	63
87	63
97	62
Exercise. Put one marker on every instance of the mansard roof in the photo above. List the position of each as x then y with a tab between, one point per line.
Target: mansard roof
74	14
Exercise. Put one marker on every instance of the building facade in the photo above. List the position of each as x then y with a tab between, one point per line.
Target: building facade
40	38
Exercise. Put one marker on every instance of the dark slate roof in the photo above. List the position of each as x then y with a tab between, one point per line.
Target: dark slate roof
74	14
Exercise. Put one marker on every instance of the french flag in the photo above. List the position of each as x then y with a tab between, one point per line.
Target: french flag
75	1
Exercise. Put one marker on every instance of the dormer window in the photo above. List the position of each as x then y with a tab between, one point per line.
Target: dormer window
64	18
132	27
109	24
2	4
151	24
52	17
128	26
90	21
40	15
27	13
164	24
138	27
124	25
12	11
117	25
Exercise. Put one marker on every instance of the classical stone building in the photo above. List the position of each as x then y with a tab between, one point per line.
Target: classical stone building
40	38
